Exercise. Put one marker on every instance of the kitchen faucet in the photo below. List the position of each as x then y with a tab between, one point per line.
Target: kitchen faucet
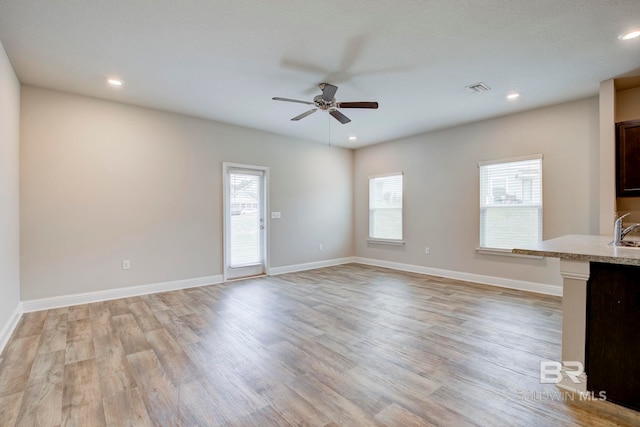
619	233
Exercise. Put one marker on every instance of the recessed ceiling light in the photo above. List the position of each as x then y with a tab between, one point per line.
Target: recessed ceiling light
513	96
114	82
630	35
352	138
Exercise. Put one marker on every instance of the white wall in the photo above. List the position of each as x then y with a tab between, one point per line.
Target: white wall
9	199
441	188
103	181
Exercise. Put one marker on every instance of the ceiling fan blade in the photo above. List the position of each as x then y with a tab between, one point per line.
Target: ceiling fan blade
305	114
328	92
292	100
357	105
340	117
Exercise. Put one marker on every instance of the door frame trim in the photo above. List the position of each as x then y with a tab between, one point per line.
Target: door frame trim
225	238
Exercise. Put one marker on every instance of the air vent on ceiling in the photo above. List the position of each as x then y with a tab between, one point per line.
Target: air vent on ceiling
478	87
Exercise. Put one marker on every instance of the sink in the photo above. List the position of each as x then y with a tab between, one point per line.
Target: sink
627	244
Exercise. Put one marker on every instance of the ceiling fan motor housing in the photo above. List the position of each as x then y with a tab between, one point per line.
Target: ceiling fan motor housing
322	104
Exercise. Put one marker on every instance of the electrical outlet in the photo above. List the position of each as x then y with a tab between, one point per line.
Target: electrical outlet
126	264
275	215
427	250
320	247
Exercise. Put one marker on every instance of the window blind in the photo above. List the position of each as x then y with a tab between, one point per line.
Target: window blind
244	235
385	207
511	203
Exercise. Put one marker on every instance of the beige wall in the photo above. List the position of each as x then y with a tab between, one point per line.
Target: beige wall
441	188
9	199
607	161
628	105
102	182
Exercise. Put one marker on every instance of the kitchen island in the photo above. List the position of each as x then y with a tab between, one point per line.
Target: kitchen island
600	314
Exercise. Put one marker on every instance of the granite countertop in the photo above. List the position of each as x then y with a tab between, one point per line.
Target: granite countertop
575	247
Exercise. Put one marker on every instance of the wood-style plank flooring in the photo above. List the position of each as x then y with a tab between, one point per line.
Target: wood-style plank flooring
341	346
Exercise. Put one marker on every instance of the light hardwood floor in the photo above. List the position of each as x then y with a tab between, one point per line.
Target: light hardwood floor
342	346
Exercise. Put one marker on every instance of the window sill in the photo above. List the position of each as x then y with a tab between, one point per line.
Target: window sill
386	242
504	252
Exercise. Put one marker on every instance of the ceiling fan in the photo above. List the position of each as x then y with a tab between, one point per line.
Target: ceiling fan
327	102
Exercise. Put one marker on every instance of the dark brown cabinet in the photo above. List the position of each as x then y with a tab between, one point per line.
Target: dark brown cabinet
628	158
613	342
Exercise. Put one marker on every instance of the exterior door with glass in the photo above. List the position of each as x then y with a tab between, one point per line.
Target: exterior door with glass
245	221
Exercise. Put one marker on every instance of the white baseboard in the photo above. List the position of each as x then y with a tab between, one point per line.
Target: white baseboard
10	326
109	294
567	383
540	288
274	271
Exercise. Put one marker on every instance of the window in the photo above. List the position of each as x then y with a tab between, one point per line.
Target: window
510	202
385	208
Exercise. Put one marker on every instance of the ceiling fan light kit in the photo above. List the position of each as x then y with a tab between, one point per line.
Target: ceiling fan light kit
327	102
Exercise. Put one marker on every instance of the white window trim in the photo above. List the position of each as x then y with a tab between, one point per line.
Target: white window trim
380	241
382	175
504	252
486	250
391	242
511	159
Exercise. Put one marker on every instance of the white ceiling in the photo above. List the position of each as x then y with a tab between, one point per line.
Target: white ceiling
225	59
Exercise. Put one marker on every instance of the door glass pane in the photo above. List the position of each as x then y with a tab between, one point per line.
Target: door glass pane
244	197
